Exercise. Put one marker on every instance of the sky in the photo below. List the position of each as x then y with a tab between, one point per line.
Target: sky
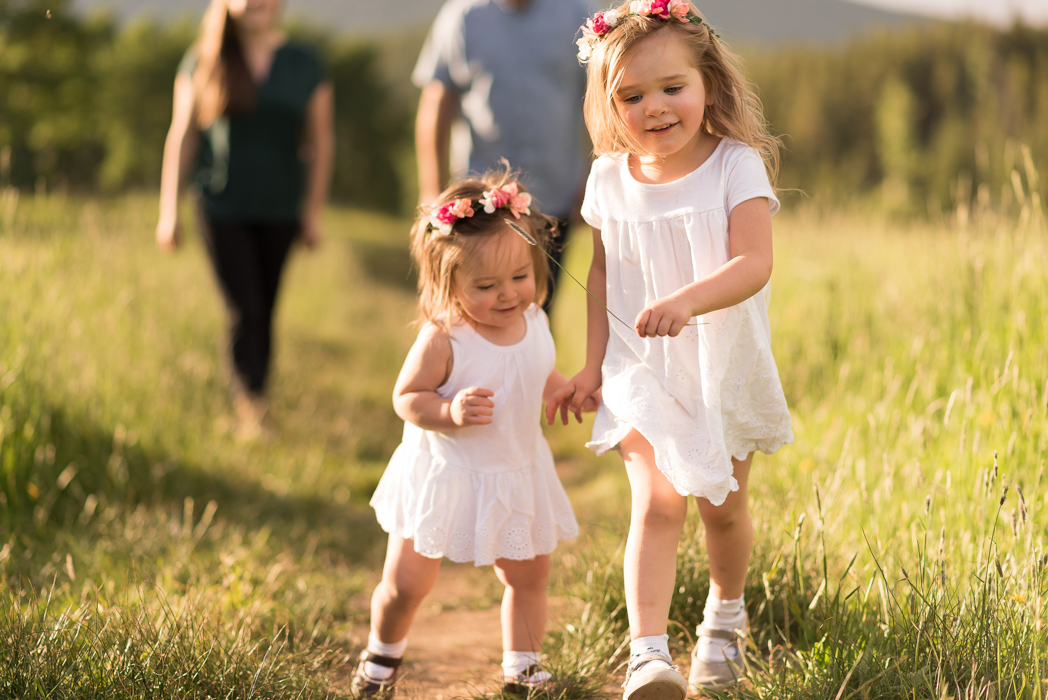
1000	12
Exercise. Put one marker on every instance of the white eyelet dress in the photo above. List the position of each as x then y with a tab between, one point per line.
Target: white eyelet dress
712	392
484	492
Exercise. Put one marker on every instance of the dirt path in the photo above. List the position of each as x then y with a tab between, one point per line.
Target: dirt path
455	646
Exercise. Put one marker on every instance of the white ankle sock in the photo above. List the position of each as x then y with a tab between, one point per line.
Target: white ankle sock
656	643
516	662
720	614
376	646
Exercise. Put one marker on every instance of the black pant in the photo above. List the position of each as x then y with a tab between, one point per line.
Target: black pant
248	259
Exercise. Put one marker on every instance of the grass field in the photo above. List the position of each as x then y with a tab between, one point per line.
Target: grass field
146	553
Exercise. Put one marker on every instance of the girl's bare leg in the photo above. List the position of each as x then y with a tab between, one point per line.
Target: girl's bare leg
656	521
407	578
524	603
729	536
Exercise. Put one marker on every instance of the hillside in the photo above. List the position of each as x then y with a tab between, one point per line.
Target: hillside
814	21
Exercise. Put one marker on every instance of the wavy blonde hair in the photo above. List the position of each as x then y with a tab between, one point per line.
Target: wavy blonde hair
734	111
440	257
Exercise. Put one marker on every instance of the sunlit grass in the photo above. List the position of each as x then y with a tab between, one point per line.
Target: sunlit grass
896	555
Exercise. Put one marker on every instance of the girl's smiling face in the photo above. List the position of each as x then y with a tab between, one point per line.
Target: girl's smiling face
497	286
661	99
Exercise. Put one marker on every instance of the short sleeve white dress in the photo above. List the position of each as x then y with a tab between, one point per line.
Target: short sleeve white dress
712	392
485	492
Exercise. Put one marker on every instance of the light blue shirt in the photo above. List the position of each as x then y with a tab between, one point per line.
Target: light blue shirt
521	89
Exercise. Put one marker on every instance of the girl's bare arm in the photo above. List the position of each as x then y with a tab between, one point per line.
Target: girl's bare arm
576	395
746	272
426	368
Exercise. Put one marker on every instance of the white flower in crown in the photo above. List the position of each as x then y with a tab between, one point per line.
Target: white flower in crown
585	49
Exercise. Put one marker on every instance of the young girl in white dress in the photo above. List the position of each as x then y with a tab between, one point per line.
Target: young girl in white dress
680	203
473	478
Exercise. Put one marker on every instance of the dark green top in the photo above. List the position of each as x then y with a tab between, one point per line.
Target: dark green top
249	167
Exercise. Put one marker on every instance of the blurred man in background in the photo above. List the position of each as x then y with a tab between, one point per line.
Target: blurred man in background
509	68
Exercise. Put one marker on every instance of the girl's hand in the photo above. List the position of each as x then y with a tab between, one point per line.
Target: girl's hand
472	406
665	316
581	393
168	234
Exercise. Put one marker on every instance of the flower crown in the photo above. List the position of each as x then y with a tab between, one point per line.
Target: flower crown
508	197
601	23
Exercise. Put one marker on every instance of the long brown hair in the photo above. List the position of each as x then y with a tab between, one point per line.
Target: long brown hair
222	83
734	111
439	257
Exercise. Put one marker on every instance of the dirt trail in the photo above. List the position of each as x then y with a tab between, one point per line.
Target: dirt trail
455	649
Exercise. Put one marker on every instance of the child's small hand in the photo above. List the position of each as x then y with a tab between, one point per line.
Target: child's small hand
472	406
580	393
665	316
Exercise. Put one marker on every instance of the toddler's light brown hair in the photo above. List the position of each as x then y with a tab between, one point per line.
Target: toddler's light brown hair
439	257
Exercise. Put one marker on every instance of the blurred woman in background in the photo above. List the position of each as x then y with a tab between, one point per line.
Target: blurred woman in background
252	127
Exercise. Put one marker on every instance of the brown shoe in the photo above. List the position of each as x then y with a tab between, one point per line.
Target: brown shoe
364	686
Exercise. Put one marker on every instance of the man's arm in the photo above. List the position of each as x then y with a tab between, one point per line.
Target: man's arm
437	108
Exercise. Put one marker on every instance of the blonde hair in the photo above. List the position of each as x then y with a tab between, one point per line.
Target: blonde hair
439	257
222	82
734	109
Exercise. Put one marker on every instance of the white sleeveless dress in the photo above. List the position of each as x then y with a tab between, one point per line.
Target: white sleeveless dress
712	392
484	492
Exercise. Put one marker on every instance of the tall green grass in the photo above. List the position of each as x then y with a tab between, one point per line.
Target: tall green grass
899	544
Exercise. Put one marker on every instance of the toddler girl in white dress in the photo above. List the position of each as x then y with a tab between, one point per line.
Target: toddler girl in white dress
680	203
473	478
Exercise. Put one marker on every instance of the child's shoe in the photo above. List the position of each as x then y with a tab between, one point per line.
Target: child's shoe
720	673
364	686
653	676
530	679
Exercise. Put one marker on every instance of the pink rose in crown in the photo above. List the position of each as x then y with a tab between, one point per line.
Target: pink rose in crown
497	198
659	8
600	26
453	211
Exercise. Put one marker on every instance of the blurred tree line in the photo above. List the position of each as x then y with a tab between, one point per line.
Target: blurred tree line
935	117
85	105
941	116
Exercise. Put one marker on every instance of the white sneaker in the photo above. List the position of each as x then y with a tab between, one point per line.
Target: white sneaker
653	676
721	673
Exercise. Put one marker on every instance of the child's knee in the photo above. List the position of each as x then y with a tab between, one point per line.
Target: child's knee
407	590
662	514
531	574
728	516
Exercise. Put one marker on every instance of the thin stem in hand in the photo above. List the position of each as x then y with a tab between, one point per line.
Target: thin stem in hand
531	240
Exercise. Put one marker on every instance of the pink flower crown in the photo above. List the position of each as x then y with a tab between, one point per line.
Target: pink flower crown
601	23
443	219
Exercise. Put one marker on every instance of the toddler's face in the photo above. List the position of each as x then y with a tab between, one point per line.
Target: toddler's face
497	286
662	98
